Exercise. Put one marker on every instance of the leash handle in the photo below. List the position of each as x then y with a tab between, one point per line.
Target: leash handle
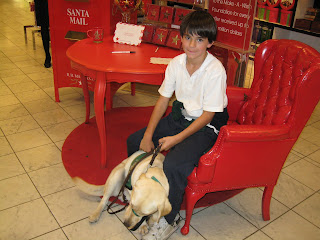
155	154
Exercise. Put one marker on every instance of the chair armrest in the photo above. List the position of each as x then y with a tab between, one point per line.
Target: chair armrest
236	98
239	134
255	133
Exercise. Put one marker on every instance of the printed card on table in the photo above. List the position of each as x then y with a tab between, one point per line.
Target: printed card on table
128	33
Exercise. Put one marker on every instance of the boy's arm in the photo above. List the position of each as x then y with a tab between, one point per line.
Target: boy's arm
158	111
200	122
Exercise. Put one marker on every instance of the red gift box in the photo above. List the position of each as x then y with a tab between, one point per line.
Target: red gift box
179	15
166	14
148	33
153	12
160	36
174	39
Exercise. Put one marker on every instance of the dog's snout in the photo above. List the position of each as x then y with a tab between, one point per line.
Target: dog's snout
127	224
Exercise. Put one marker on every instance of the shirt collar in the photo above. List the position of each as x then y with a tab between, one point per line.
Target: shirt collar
203	67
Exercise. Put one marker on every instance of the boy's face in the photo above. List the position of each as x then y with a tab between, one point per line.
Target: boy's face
195	46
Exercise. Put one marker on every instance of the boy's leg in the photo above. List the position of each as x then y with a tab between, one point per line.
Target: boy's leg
180	162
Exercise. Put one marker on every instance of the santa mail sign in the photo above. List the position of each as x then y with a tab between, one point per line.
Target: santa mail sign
78	16
234	19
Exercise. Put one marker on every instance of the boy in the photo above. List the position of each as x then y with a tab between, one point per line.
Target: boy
199	82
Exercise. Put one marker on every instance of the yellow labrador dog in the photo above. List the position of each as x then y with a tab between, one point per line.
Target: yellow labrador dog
148	197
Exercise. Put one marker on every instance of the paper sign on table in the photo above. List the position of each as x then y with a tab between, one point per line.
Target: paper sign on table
128	33
157	60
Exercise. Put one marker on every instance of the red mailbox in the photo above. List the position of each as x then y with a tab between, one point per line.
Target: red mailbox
69	22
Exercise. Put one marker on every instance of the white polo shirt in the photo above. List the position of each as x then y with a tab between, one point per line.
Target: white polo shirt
204	90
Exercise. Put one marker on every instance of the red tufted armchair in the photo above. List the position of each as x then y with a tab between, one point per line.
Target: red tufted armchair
265	122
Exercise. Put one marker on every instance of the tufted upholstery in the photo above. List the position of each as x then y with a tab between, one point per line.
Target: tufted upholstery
265	122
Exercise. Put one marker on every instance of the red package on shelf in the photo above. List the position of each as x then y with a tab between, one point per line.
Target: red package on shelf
160	36
153	12
148	33
174	39
166	14
179	15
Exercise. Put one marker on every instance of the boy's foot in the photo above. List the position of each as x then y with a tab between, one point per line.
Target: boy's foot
162	230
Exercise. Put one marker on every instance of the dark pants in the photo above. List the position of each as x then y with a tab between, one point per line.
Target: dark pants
181	159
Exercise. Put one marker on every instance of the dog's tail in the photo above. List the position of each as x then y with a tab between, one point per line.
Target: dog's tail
93	190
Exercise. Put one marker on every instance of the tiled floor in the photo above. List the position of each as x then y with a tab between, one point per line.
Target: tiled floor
38	199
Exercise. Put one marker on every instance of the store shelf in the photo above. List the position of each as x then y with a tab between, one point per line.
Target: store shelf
290	28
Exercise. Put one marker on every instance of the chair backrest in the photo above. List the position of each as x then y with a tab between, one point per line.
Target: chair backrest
283	69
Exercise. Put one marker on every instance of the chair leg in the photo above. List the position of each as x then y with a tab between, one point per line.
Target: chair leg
266	199
133	89
191	200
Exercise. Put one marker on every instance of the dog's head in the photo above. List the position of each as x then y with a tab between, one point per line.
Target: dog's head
148	198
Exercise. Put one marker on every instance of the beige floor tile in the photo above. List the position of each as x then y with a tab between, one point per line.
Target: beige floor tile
59	144
23	58
10	73
27	63
292	157
71	99
249	205
17	190
8	100
291	226
5	147
28	139
33	71
23	87
51	117
304	147
221	222
51	179
54	235
8	66
19	124
70	205
44	74
44	83
315	156
78	111
60	131
10	166
258	236
41	105
16	79
29	96
39	157
12	111
26	221
310	209
4	90
290	192
306	173
108	227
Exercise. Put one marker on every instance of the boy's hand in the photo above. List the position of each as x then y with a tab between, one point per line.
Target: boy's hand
168	142
146	145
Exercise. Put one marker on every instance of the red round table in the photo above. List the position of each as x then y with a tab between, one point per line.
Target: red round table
96	60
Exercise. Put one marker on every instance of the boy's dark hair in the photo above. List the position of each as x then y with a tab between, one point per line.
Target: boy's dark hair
199	23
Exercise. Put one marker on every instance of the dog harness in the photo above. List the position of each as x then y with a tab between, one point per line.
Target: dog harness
133	163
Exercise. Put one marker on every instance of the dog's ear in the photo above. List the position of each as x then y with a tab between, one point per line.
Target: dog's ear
164	209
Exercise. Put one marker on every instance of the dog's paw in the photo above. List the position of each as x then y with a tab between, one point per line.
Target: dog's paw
94	218
143	230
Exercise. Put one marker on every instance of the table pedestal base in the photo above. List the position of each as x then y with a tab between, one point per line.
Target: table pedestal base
81	150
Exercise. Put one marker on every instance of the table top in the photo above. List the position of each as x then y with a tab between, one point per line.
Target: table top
99	56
